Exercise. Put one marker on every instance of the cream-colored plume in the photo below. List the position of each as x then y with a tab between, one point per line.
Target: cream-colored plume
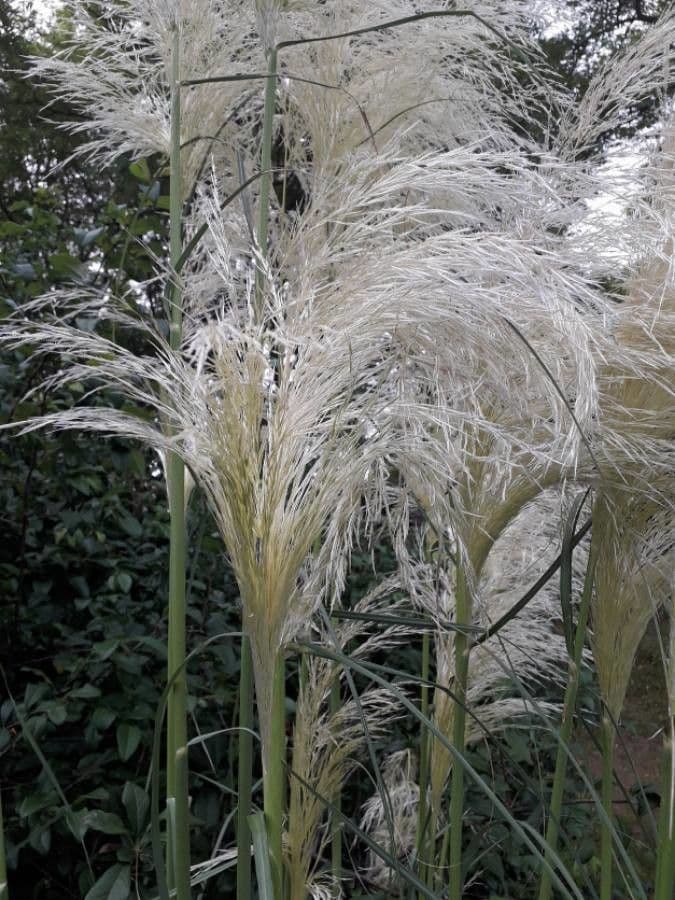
633	517
328	743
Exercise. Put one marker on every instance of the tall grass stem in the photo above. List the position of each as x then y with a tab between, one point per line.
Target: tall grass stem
462	619
422	809
266	168
569	706
274	769
245	771
665	856
178	868
606	862
336	822
274	777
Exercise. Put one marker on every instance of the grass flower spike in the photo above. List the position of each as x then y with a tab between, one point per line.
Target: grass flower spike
115	71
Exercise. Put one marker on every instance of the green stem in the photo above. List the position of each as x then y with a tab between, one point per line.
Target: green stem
607	798
665	859
274	756
569	706
336	824
274	777
245	771
266	177
462	618
178	868
422	809
665	855
4	889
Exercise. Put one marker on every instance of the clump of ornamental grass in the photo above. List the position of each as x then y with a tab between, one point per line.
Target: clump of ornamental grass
270	398
631	550
631	437
417	312
289	422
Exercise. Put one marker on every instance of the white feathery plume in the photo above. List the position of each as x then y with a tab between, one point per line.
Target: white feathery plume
420	75
267	15
636	425
327	743
399	777
635	75
639	74
116	73
633	514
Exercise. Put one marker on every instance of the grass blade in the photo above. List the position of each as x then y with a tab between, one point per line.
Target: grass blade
261	853
178	849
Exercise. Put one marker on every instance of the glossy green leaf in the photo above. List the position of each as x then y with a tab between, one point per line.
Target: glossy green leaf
128	739
131	526
35	802
103	718
137	805
106	822
56	712
114	884
140	170
105	649
124	581
40	839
